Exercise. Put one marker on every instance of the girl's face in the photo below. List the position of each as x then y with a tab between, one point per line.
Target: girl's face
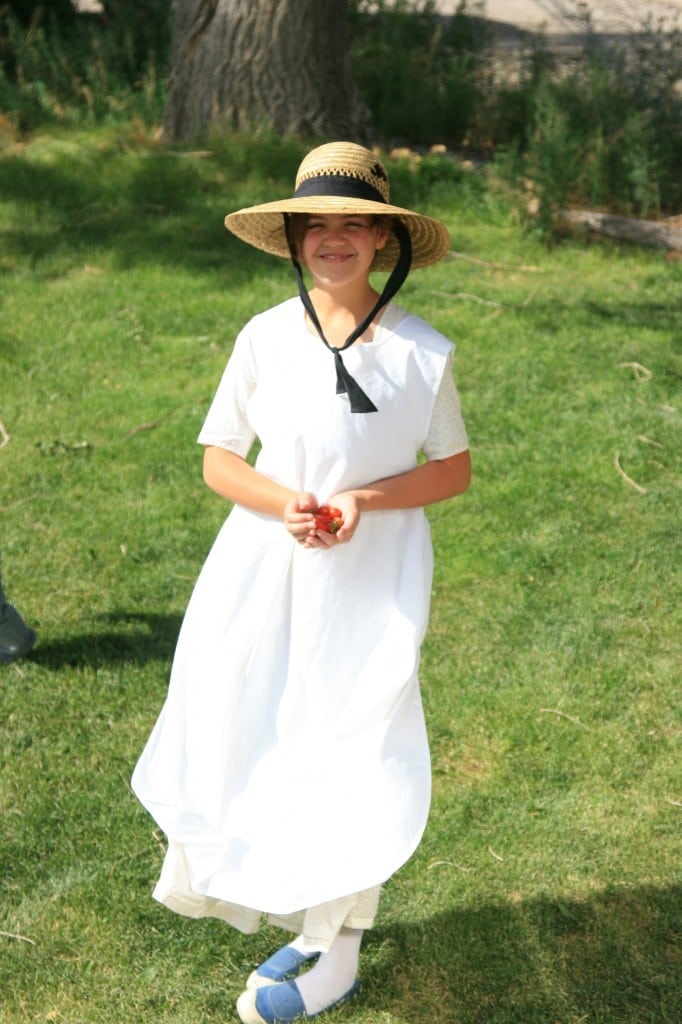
339	249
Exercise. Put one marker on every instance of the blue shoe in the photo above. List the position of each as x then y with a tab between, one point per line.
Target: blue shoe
280	1004
286	963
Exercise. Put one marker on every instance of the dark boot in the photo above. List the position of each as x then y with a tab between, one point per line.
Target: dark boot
16	639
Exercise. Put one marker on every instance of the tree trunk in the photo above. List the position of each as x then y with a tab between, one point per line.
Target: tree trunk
240	64
659	233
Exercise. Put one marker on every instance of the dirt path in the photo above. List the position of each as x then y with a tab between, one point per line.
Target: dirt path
609	16
531	15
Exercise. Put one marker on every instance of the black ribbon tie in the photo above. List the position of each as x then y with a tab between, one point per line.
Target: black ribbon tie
345	382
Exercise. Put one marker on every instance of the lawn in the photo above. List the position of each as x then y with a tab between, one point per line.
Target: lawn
547	886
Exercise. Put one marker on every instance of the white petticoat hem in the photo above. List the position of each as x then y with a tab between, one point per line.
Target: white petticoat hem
318	925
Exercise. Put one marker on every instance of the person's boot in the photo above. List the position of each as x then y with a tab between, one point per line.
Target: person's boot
16	639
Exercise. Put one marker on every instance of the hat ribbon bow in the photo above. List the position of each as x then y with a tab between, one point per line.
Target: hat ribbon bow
345	383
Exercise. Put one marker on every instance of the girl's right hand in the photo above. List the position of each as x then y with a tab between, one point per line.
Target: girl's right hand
299	516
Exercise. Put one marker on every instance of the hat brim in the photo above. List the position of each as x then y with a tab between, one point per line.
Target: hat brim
263	227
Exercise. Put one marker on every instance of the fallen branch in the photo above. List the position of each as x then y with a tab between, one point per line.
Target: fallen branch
639	372
3	435
452	255
531	295
152	425
562	714
448	864
19	938
18	502
628	479
659	233
470	296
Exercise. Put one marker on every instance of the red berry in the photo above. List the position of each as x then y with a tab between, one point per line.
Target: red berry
328	519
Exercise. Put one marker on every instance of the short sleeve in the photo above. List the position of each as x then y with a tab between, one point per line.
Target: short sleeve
447	432
227	423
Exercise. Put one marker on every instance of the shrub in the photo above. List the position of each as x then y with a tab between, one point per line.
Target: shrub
421	75
603	128
606	132
55	69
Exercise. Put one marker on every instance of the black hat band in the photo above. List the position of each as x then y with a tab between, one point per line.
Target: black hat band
343	185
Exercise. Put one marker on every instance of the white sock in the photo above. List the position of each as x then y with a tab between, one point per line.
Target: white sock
333	974
299	945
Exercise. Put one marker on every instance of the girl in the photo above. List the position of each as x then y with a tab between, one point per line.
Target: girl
289	767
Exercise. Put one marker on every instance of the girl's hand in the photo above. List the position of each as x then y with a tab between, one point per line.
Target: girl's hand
350	513
299	518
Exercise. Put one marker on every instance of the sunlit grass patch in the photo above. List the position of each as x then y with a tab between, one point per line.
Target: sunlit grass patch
546	887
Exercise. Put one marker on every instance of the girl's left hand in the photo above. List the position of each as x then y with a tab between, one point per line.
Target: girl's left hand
350	513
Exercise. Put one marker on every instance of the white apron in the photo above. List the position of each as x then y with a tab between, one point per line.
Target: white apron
290	762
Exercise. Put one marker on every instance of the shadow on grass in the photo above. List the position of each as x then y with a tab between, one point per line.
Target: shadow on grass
149	207
637	313
615	959
139	638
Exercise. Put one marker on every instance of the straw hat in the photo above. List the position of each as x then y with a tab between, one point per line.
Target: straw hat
341	177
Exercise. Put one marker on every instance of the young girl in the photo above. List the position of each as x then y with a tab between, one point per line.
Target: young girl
289	767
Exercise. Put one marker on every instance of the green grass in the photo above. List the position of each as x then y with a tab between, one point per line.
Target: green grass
547	888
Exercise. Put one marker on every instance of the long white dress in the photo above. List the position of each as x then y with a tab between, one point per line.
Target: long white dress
289	766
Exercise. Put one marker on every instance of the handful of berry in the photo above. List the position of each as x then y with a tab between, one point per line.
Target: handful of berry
328	519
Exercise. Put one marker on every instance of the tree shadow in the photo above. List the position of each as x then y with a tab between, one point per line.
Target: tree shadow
156	210
125	638
615	958
637	313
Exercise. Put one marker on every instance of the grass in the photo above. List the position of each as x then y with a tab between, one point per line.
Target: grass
546	889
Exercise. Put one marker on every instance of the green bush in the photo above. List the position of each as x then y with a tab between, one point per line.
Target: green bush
597	135
603	129
422	75
85	70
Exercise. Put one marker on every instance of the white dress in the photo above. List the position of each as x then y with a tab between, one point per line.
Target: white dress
289	766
